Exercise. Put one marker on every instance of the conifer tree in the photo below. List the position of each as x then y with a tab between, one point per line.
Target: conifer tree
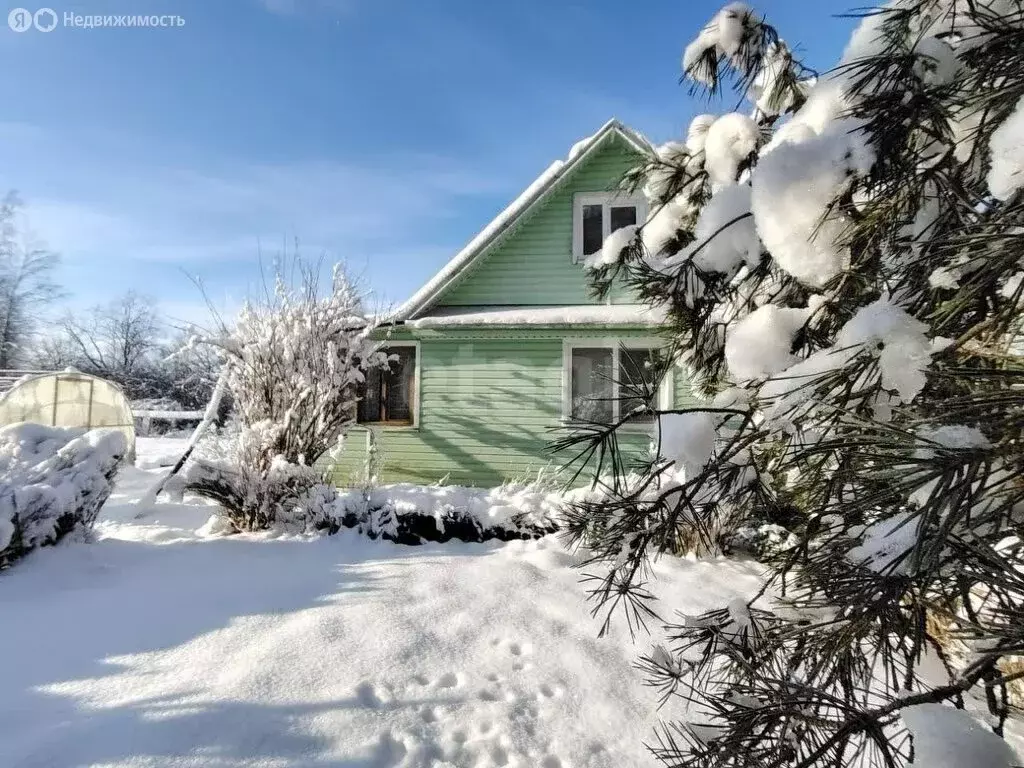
842	266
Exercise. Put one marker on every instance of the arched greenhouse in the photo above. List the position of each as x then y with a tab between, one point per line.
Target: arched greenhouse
69	399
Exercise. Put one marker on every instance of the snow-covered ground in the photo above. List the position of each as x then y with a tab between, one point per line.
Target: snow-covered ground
157	646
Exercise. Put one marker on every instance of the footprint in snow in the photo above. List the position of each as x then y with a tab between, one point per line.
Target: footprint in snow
447	680
498	755
520	649
549	692
367	696
389	752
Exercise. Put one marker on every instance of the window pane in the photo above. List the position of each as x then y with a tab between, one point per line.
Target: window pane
591	384
369	394
388	393
623	216
593	228
398	385
638	380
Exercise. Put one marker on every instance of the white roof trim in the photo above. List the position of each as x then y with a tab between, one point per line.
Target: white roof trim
626	315
533	195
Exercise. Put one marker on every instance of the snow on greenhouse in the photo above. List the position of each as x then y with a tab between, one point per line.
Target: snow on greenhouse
68	399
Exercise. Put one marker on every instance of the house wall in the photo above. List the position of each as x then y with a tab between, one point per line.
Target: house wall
534	266
491	399
488	403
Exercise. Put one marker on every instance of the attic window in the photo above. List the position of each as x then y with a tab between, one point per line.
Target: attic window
596	215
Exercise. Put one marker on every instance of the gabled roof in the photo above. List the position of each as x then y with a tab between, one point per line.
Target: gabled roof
504	222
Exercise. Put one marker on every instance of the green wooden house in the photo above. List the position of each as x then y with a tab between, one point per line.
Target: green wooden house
505	343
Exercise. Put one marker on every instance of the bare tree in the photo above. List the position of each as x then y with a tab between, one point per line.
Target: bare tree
53	352
118	341
26	282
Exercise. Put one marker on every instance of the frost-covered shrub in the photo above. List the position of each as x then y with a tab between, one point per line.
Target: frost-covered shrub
841	268
288	496
53	482
294	362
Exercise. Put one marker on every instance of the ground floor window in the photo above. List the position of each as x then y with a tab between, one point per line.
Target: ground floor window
607	383
388	395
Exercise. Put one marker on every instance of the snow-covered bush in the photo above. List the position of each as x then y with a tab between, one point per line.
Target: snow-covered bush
412	514
53	482
294	362
403	513
841	269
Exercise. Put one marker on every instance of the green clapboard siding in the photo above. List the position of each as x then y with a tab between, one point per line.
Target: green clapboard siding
534	265
487	410
491	398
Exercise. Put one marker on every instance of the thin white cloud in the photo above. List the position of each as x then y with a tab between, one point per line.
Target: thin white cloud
292	7
118	221
190	217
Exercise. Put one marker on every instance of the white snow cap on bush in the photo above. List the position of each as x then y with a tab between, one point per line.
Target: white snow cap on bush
765	83
724	33
730	140
1006	174
957	436
671	153
942	277
793	186
662	225
904	352
725	236
1009	290
882	328
611	251
688	439
945	737
759	345
885	545
697	133
504	506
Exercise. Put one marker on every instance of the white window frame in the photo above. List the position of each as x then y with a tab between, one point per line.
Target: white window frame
417	394
608	200
665	390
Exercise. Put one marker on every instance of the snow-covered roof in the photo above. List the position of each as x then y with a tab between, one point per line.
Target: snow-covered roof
504	221
628	315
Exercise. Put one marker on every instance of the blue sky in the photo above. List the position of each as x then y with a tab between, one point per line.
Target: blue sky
382	132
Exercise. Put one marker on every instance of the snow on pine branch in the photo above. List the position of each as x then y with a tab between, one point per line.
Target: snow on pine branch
840	269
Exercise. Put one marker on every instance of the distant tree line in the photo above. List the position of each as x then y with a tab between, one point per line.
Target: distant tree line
125	341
